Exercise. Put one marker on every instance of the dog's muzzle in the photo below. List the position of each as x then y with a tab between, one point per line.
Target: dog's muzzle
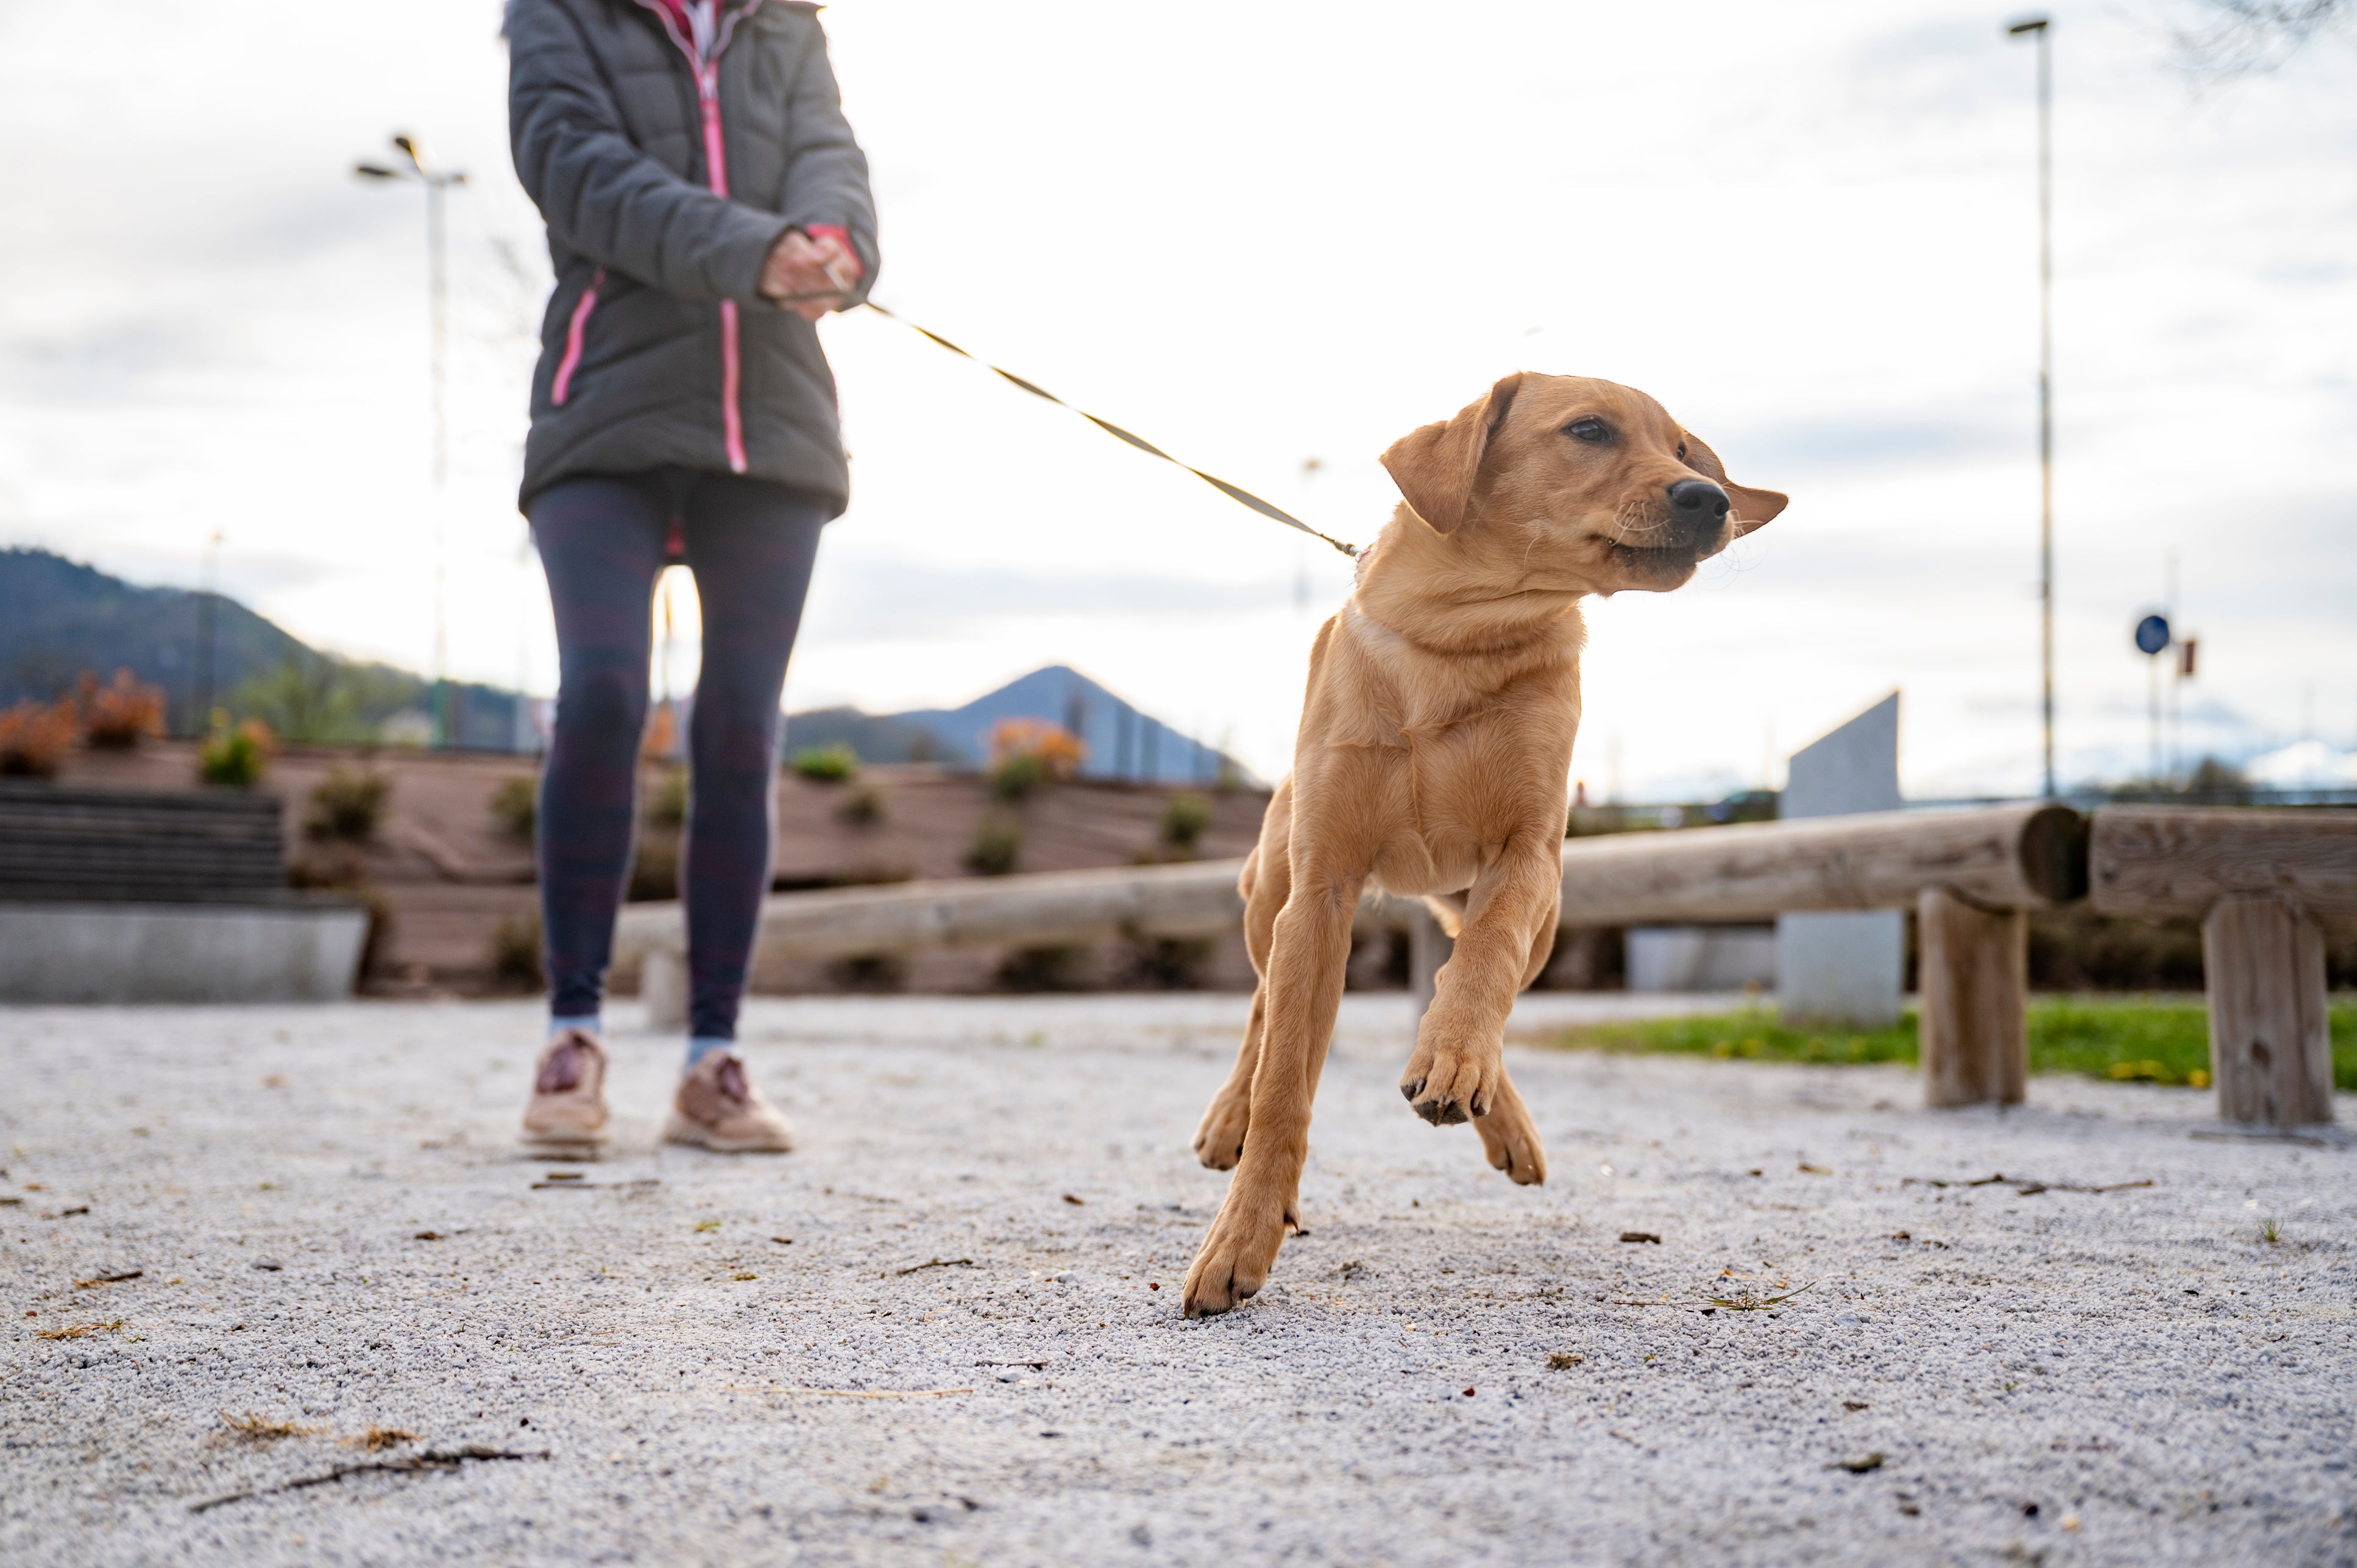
1699	511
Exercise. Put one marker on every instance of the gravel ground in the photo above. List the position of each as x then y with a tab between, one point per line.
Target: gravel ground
331	1231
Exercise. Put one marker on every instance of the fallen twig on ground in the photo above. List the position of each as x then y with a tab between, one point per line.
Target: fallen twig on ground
434	1459
77	1330
261	1428
96	1280
1035	1366
571	1185
938	1264
379	1437
2025	1184
1749	1303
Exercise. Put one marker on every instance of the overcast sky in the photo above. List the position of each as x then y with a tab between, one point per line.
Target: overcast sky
1260	234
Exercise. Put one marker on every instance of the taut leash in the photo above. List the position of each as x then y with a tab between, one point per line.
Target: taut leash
1233	492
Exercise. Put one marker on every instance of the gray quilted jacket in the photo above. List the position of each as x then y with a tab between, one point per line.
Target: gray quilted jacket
664	180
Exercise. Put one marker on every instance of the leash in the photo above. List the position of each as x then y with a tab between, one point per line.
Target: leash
1233	492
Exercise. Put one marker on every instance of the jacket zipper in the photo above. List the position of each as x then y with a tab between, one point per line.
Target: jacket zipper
715	173
578	325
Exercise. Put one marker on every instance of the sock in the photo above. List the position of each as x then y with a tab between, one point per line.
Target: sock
593	1023
702	1045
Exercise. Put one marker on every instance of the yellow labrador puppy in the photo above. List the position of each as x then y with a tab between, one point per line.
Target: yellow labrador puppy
1433	759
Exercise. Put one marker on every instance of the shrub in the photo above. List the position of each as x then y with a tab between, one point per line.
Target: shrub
237	758
316	697
996	843
120	714
861	808
835	764
1042	968
874	972
34	738
1025	753
667	801
1012	778
1184	818
1168	963
516	806
347	804
515	953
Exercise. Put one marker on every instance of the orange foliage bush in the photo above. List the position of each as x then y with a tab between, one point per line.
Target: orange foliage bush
34	738
120	714
1057	750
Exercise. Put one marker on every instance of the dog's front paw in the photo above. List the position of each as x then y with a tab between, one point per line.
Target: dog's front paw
1511	1139
1220	1141
1236	1257
1448	1084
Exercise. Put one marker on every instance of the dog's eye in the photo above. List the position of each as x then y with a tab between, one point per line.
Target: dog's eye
1682	451
1594	430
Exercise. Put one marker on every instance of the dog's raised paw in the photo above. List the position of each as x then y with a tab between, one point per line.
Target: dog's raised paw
1456	1087
1442	1112
1509	1140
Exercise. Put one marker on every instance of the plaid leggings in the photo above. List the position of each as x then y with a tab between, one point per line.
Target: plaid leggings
603	541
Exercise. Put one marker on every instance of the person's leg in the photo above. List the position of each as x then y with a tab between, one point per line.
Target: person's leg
601	543
751	546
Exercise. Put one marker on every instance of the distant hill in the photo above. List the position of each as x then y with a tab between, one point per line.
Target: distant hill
873	738
59	619
1123	742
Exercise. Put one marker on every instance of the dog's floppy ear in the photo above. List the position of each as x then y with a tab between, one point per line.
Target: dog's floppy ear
1753	508
1434	466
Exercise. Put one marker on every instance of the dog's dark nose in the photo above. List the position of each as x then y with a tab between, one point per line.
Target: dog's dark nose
1697	507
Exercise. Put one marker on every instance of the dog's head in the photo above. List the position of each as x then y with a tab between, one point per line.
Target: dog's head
1589	485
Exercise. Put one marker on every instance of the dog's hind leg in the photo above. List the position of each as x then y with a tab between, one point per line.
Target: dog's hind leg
1220	1137
1266	882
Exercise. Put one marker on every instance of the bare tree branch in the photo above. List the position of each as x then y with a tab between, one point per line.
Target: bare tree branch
2220	41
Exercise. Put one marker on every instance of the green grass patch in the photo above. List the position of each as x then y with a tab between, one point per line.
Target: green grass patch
2127	1040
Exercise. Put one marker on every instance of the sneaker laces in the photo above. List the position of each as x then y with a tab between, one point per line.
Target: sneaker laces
561	1069
730	1081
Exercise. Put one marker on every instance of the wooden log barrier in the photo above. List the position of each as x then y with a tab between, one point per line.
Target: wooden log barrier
1968	874
2003	857
2260	882
1974	995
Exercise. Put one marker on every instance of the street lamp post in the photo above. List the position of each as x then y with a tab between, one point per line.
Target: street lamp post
436	181
2037	27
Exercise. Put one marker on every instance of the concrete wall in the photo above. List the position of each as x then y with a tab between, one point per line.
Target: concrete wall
1700	957
161	952
1843	968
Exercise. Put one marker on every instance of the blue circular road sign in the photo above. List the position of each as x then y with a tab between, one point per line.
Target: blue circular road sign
2152	634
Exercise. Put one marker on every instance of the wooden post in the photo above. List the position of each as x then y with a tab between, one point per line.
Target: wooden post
662	988
1974	987
1428	947
2270	1048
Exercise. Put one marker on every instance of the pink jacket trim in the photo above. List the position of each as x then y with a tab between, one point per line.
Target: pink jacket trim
562	385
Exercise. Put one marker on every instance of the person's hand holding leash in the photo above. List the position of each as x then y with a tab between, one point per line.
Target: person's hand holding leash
808	276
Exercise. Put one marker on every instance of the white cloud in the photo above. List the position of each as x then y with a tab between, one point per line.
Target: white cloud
1259	234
